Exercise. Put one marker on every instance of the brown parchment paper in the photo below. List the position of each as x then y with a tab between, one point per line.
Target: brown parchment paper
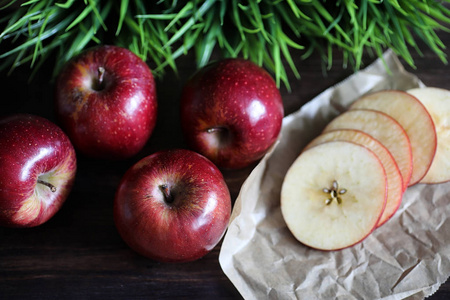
408	257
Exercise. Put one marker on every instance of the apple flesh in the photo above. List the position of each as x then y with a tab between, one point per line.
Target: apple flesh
393	175
106	102
172	206
231	112
384	129
412	115
38	165
437	103
333	195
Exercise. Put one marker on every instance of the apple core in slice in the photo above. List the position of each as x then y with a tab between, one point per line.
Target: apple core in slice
333	195
412	115
437	103
384	129
393	175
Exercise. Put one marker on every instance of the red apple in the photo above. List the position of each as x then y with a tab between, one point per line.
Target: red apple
106	102
172	206
231	112
38	165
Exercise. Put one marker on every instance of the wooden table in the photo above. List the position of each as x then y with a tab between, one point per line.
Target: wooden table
79	255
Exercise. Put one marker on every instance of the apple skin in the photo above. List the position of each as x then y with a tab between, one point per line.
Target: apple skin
231	112
33	148
172	206
111	119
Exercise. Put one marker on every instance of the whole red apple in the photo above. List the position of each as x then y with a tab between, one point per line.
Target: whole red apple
172	206
231	112
38	166
106	102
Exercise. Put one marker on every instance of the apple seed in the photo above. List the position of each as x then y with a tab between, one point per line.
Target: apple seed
334	193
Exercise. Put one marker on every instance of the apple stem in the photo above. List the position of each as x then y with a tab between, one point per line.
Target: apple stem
221	134
168	197
51	186
214	129
101	75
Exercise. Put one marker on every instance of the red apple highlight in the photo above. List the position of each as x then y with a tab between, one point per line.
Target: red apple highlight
172	206
38	165
106	102
231	112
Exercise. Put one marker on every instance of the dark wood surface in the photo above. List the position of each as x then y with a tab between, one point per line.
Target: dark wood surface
78	254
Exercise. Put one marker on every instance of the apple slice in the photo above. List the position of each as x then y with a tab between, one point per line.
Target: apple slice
384	129
437	103
333	195
412	115
393	175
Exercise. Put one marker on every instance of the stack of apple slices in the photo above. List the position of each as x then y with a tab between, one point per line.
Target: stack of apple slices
350	179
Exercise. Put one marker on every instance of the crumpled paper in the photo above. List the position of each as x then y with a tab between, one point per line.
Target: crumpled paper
408	257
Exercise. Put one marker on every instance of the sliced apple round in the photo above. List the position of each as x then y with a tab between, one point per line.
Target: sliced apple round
384	129
437	103
393	175
333	195
412	115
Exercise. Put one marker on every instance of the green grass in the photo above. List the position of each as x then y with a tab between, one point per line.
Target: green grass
271	33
